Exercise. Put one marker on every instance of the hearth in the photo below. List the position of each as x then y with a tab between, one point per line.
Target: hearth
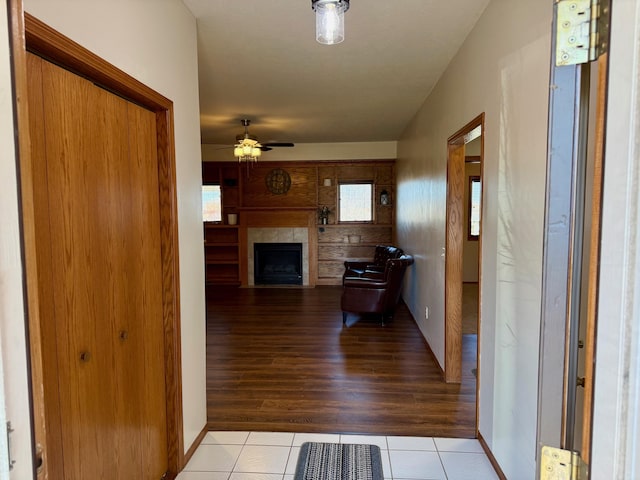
277	263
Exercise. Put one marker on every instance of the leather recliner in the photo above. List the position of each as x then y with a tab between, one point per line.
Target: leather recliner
375	292
380	257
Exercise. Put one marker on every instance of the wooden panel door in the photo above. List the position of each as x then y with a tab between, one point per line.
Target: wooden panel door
453	264
100	278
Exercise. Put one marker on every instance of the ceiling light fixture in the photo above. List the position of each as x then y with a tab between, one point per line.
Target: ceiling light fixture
330	20
247	147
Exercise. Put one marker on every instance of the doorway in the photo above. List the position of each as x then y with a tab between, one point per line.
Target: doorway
572	254
458	232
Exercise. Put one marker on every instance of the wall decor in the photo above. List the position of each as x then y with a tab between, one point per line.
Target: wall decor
278	181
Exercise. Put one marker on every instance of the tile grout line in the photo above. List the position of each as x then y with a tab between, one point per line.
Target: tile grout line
341	439
386	440
446	476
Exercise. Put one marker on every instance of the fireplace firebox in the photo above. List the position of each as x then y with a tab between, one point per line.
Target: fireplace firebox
277	263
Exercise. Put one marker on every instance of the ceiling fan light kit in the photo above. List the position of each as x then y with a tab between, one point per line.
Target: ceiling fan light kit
247	148
330	20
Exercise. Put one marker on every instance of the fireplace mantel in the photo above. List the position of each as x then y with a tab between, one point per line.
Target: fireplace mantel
277	217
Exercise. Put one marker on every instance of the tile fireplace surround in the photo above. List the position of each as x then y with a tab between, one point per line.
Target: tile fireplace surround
278	235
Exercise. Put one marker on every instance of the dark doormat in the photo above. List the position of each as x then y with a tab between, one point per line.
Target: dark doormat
336	461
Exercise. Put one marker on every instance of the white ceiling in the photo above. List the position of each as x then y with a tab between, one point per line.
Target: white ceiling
258	59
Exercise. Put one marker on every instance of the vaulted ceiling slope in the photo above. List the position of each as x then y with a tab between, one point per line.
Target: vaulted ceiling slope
258	59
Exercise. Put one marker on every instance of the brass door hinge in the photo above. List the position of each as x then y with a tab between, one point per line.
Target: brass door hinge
558	464
582	30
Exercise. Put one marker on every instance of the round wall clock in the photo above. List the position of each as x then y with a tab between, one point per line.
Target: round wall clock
278	181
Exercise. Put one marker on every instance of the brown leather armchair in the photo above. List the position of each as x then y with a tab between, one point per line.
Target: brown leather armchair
375	292
378	264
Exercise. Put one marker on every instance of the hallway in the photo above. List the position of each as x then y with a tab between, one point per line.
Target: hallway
280	360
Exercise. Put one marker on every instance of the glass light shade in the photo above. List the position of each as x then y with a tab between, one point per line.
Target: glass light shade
256	152
237	152
330	22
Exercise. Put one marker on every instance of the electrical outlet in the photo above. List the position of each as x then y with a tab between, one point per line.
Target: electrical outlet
426	313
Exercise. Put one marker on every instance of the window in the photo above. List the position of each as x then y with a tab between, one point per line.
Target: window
211	203
475	189
356	202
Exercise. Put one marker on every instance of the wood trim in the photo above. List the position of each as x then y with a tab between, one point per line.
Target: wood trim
594	257
492	459
479	322
430	351
48	43
243	257
196	443
45	41
453	251
313	248
460	137
171	287
277	218
25	173
276	209
453	264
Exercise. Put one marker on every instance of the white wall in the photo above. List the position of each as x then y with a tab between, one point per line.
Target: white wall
312	151
13	359
155	42
616	423
502	69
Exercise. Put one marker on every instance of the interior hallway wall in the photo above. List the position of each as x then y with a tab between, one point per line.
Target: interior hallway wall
616	416
502	69
154	41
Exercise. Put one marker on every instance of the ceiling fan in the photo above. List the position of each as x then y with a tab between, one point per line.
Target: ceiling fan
247	141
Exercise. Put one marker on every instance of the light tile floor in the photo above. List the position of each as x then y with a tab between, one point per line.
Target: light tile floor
273	456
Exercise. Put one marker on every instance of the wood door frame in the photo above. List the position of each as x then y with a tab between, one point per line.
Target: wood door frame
454	237
29	33
594	257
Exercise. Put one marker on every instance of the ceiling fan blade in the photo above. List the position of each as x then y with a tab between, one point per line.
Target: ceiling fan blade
278	144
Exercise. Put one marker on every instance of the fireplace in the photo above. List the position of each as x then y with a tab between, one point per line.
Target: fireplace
277	263
277	235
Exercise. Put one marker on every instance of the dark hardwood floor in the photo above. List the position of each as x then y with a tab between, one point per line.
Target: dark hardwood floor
279	359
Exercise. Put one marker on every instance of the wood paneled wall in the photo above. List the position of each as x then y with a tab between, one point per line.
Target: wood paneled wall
245	191
301	194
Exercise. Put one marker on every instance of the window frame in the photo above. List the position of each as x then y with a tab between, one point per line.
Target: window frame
212	184
372	185
473	179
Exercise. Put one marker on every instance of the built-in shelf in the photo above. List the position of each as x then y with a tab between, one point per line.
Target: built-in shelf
221	254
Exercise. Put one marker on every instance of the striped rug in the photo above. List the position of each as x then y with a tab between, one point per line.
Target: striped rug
337	461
